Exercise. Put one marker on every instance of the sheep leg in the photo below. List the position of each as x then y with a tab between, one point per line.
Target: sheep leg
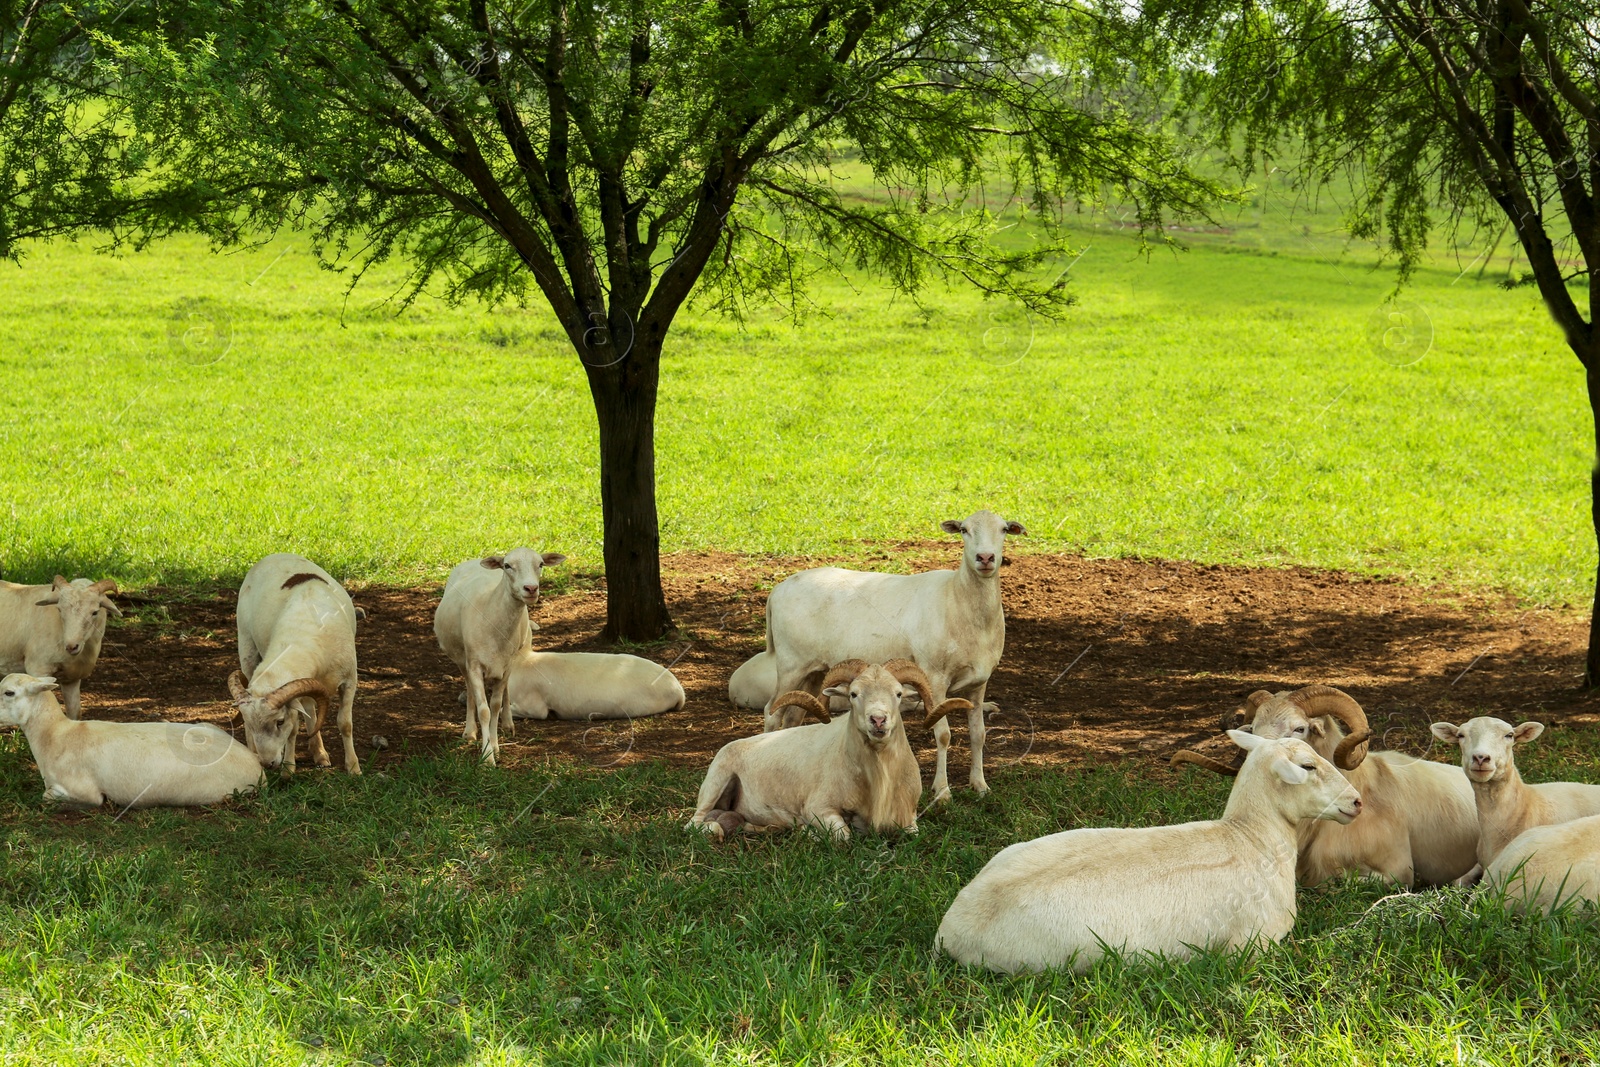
833	822
975	733
347	720
478	710
489	724
1472	877
83	795
941	775
715	804
504	689
292	742
314	746
74	699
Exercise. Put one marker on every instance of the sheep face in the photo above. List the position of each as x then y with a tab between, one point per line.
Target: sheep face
81	604
1487	744
522	567
983	536
1305	786
268	730
19	695
875	697
1281	717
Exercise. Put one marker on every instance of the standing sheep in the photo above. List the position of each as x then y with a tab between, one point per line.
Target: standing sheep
481	623
950	623
297	645
63	643
1062	900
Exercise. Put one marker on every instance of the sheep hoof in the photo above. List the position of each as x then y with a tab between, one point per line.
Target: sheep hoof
710	827
941	797
981	788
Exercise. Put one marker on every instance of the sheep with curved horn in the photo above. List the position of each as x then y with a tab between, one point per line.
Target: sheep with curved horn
1419	824
855	770
297	646
55	630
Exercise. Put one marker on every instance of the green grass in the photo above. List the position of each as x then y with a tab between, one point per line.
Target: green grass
177	414
443	913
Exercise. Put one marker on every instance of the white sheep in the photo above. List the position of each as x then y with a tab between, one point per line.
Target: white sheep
753	685
1547	865
1508	806
1418	821
1062	900
949	622
856	770
589	685
481	623
64	643
133	764
297	646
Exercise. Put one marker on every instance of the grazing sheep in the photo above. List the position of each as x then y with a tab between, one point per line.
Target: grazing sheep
1548	865
856	770
1062	900
63	644
481	623
1418	820
589	685
297	646
134	764
950	623
1508	806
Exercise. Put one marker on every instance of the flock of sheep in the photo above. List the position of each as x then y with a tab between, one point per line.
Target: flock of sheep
856	652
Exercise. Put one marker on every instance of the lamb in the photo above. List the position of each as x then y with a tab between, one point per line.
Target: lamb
63	644
481	623
1507	806
588	686
949	622
1064	899
856	770
134	764
1549	865
1418	822
297	646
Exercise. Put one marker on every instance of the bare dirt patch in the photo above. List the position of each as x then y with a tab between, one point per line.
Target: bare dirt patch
1104	658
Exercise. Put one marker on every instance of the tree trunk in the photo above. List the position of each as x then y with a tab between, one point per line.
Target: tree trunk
1591	663
624	393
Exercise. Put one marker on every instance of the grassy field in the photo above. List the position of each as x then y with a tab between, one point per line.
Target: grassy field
446	914
177	414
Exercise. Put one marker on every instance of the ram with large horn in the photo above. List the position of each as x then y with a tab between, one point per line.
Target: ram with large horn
856	770
297	653
55	630
1418	825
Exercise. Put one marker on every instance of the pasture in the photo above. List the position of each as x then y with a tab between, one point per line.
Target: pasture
1237	470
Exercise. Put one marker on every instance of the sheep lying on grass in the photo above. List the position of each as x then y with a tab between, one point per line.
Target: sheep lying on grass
1508	806
1418	820
1547	865
856	770
1062	900
133	764
55	630
589	685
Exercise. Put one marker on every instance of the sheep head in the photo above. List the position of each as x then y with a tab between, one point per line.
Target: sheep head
1487	745
20	696
269	729
875	694
81	603
522	568
1301	713
1299	781
983	537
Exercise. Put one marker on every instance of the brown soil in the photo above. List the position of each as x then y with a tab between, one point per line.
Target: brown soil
1104	658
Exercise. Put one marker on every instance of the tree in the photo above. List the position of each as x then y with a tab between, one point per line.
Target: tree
1488	109
598	150
63	159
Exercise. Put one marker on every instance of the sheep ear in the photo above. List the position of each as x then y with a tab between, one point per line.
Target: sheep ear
47	601
951	526
1528	731
550	559
106	603
1446	731
837	691
1316	728
1290	772
493	563
59	583
1016	529
1247	741
40	685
